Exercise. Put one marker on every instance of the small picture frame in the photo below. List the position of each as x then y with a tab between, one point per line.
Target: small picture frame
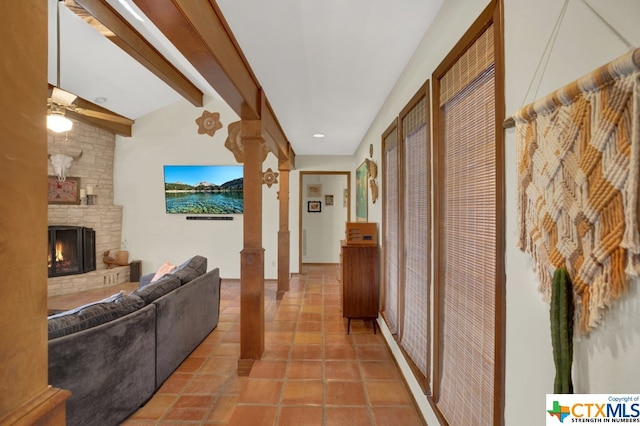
314	190
314	206
328	200
64	191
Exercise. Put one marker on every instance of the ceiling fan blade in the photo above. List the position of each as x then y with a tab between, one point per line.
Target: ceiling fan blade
62	96
104	116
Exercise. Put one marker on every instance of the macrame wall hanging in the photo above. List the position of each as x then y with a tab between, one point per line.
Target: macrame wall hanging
578	153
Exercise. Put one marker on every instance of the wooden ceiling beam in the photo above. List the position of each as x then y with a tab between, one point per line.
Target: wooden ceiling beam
117	128
130	41
289	162
201	36
120	125
272	132
200	32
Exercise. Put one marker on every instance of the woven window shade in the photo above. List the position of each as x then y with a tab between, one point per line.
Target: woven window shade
468	220
472	63
390	243
414	120
416	236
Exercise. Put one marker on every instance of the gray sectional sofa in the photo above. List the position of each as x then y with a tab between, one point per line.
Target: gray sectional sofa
114	354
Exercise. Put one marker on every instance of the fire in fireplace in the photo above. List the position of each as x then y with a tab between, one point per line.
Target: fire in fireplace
72	250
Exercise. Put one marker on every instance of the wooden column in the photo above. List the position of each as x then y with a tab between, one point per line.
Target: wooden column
25	397
283	233
252	256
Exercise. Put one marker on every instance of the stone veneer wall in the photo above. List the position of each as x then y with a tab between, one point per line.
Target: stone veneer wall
94	168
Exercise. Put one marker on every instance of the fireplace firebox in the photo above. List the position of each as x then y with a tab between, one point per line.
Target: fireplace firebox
72	250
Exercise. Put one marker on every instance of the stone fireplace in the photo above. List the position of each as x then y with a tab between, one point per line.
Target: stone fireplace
94	168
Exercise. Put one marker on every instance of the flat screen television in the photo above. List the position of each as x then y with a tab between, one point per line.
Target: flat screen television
209	189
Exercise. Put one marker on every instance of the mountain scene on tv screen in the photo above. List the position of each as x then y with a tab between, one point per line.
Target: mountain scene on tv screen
204	197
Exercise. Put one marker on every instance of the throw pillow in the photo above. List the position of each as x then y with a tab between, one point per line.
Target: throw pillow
163	270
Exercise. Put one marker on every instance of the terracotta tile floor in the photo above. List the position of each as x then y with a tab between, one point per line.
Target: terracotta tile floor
311	372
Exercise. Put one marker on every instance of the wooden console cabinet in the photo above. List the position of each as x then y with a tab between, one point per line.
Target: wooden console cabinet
360	283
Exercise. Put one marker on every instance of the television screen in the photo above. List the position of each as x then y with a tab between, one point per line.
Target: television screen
208	189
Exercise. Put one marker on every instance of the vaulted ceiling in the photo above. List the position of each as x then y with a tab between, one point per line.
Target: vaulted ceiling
323	67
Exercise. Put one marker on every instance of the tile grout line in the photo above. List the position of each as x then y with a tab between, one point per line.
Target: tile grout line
289	360
324	354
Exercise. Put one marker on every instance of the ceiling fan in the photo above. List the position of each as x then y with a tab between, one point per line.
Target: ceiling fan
61	102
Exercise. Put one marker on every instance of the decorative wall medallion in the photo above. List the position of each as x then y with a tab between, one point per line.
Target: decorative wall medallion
374	190
209	123
235	145
269	177
373	170
233	142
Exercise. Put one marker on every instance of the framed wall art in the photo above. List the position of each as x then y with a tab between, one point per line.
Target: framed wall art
328	200
64	191
314	190
314	206
362	173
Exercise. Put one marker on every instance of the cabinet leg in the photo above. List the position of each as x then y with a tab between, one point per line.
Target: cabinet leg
348	325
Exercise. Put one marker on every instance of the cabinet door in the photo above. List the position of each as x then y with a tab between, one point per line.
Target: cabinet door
360	282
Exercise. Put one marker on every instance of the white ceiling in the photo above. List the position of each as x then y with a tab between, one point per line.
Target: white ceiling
325	66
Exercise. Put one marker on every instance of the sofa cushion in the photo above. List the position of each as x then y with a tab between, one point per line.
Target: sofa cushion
93	314
190	269
104	312
63	325
111	298
152	291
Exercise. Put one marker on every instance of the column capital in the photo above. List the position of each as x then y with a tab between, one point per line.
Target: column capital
251	129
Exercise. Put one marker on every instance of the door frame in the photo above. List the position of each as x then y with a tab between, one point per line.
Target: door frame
302	174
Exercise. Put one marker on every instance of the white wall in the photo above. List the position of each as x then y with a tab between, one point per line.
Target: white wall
605	361
169	136
324	230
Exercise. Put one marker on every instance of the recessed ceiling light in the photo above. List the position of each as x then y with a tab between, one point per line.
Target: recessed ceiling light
318	135
100	100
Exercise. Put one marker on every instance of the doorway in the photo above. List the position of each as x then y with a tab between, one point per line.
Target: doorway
324	210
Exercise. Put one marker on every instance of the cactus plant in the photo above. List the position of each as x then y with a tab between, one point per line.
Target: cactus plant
561	313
